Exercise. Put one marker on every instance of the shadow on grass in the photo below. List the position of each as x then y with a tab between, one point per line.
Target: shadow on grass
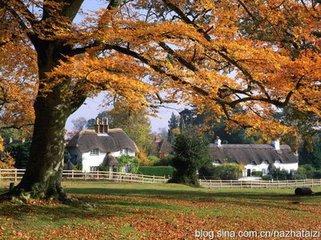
109	207
184	194
241	197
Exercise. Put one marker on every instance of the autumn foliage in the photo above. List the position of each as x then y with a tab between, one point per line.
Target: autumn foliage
257	55
261	55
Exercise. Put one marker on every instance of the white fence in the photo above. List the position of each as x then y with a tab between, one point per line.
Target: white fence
16	175
260	183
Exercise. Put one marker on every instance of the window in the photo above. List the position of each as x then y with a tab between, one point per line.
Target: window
94	151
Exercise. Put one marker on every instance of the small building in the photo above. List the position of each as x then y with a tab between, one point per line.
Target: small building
255	157
162	147
90	147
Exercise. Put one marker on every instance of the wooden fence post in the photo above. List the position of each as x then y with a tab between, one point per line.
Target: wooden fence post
16	175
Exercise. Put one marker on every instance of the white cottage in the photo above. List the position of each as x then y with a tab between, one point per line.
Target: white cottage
92	147
255	157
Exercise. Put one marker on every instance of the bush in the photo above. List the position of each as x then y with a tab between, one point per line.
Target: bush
267	177
309	170
279	174
317	174
132	163
228	171
156	170
257	173
20	152
166	161
299	174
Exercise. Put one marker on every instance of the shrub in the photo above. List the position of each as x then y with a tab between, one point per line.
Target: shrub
20	152
309	170
132	163
156	170
257	173
317	174
299	174
228	171
153	159
267	177
165	161
279	174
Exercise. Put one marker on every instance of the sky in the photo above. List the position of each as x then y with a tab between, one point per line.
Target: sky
93	106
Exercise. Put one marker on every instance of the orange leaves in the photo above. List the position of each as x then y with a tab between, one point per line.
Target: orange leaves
116	73
214	54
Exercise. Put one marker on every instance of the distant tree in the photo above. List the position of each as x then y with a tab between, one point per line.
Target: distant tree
79	124
90	123
134	122
190	154
310	152
173	121
173	127
306	138
190	120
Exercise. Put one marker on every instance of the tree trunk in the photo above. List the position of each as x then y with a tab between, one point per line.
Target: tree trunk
43	174
52	108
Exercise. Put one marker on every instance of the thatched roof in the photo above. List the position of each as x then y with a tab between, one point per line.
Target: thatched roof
251	154
114	141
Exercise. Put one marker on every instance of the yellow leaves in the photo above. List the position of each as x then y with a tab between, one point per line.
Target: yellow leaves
1	144
268	127
116	73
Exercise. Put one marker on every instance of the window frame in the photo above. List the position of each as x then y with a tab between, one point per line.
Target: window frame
94	152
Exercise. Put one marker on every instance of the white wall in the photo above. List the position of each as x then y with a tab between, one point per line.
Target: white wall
89	160
263	167
286	166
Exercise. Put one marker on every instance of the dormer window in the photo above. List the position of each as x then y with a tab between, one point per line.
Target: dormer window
94	151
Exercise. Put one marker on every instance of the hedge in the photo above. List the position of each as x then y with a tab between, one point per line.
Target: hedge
156	170
228	171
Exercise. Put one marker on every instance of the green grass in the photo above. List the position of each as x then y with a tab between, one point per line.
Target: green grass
162	211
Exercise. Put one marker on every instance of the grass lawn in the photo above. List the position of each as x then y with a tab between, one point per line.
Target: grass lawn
163	211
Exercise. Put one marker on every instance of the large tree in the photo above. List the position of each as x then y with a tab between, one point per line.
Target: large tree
214	54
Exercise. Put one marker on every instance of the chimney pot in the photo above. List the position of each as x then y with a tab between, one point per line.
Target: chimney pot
276	144
218	142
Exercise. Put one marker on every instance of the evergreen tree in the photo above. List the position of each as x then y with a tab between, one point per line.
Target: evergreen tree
190	154
173	125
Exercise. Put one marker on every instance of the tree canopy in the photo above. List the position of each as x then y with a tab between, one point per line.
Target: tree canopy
260	55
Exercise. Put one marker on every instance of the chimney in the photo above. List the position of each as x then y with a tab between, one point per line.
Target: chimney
218	142
276	144
97	125
105	125
101	126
